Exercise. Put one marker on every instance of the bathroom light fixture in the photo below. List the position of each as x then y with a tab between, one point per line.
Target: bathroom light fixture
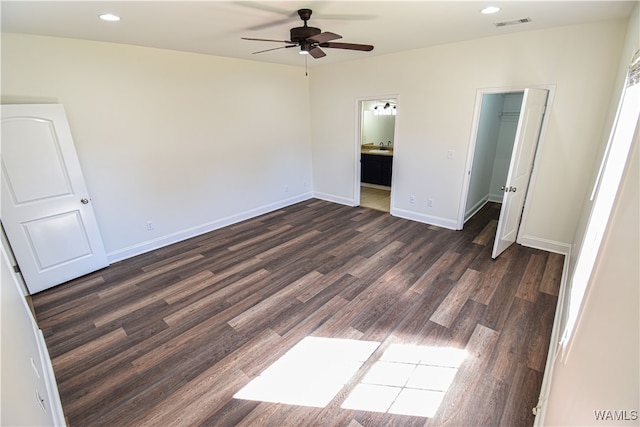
109	17
490	9
386	109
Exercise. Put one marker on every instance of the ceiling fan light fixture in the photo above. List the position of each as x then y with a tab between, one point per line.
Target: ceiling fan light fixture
304	48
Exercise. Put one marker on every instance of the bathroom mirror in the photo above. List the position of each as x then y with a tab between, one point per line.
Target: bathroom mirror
378	122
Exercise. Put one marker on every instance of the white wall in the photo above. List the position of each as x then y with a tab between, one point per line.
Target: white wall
599	370
190	142
26	367
437	88
484	153
631	45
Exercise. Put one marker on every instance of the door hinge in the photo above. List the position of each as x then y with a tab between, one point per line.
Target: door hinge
16	269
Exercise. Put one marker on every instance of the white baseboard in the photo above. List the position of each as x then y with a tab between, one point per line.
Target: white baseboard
426	219
400	213
493	198
54	403
496	198
475	208
544	244
553	355
150	245
333	198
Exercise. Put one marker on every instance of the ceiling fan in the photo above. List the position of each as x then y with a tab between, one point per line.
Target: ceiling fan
311	39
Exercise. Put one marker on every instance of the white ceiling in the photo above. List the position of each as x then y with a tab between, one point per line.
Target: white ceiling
215	27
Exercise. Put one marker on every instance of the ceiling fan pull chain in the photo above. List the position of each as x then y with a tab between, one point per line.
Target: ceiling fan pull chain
306	73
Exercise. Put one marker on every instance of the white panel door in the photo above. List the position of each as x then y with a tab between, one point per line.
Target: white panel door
520	167
46	210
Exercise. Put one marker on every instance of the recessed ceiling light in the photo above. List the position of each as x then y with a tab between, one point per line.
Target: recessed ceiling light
109	17
490	9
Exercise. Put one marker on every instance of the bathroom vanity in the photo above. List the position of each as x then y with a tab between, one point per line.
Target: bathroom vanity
376	165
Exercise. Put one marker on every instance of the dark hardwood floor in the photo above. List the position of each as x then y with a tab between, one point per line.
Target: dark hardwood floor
168	337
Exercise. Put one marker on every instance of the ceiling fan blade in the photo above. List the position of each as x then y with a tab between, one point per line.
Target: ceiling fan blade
274	48
264	7
346	17
268	40
316	52
350	46
269	24
324	37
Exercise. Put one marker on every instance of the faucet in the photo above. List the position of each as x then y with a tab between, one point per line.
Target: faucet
382	145
389	144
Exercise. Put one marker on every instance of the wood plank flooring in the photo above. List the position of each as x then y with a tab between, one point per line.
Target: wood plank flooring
168	337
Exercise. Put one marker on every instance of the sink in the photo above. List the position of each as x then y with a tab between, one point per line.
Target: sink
379	151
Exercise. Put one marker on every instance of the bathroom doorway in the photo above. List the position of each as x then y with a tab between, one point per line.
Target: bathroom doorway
375	152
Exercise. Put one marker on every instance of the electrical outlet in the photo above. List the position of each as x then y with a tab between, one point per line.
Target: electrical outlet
450	154
286	188
149	225
430	203
412	199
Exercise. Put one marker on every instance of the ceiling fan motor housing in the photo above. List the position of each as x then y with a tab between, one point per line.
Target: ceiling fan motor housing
299	34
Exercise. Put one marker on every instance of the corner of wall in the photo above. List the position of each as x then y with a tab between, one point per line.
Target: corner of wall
29	391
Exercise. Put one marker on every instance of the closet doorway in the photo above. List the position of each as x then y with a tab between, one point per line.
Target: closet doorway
505	140
496	133
375	152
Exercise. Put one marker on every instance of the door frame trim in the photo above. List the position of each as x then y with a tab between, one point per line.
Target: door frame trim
551	88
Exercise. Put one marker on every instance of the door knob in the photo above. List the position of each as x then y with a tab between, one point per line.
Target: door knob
84	201
512	189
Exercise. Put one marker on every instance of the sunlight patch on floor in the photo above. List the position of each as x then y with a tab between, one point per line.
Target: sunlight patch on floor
311	373
407	380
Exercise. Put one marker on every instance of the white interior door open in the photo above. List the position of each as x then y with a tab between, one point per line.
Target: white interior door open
520	167
46	209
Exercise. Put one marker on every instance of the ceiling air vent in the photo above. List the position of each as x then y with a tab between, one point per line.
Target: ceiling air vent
513	22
